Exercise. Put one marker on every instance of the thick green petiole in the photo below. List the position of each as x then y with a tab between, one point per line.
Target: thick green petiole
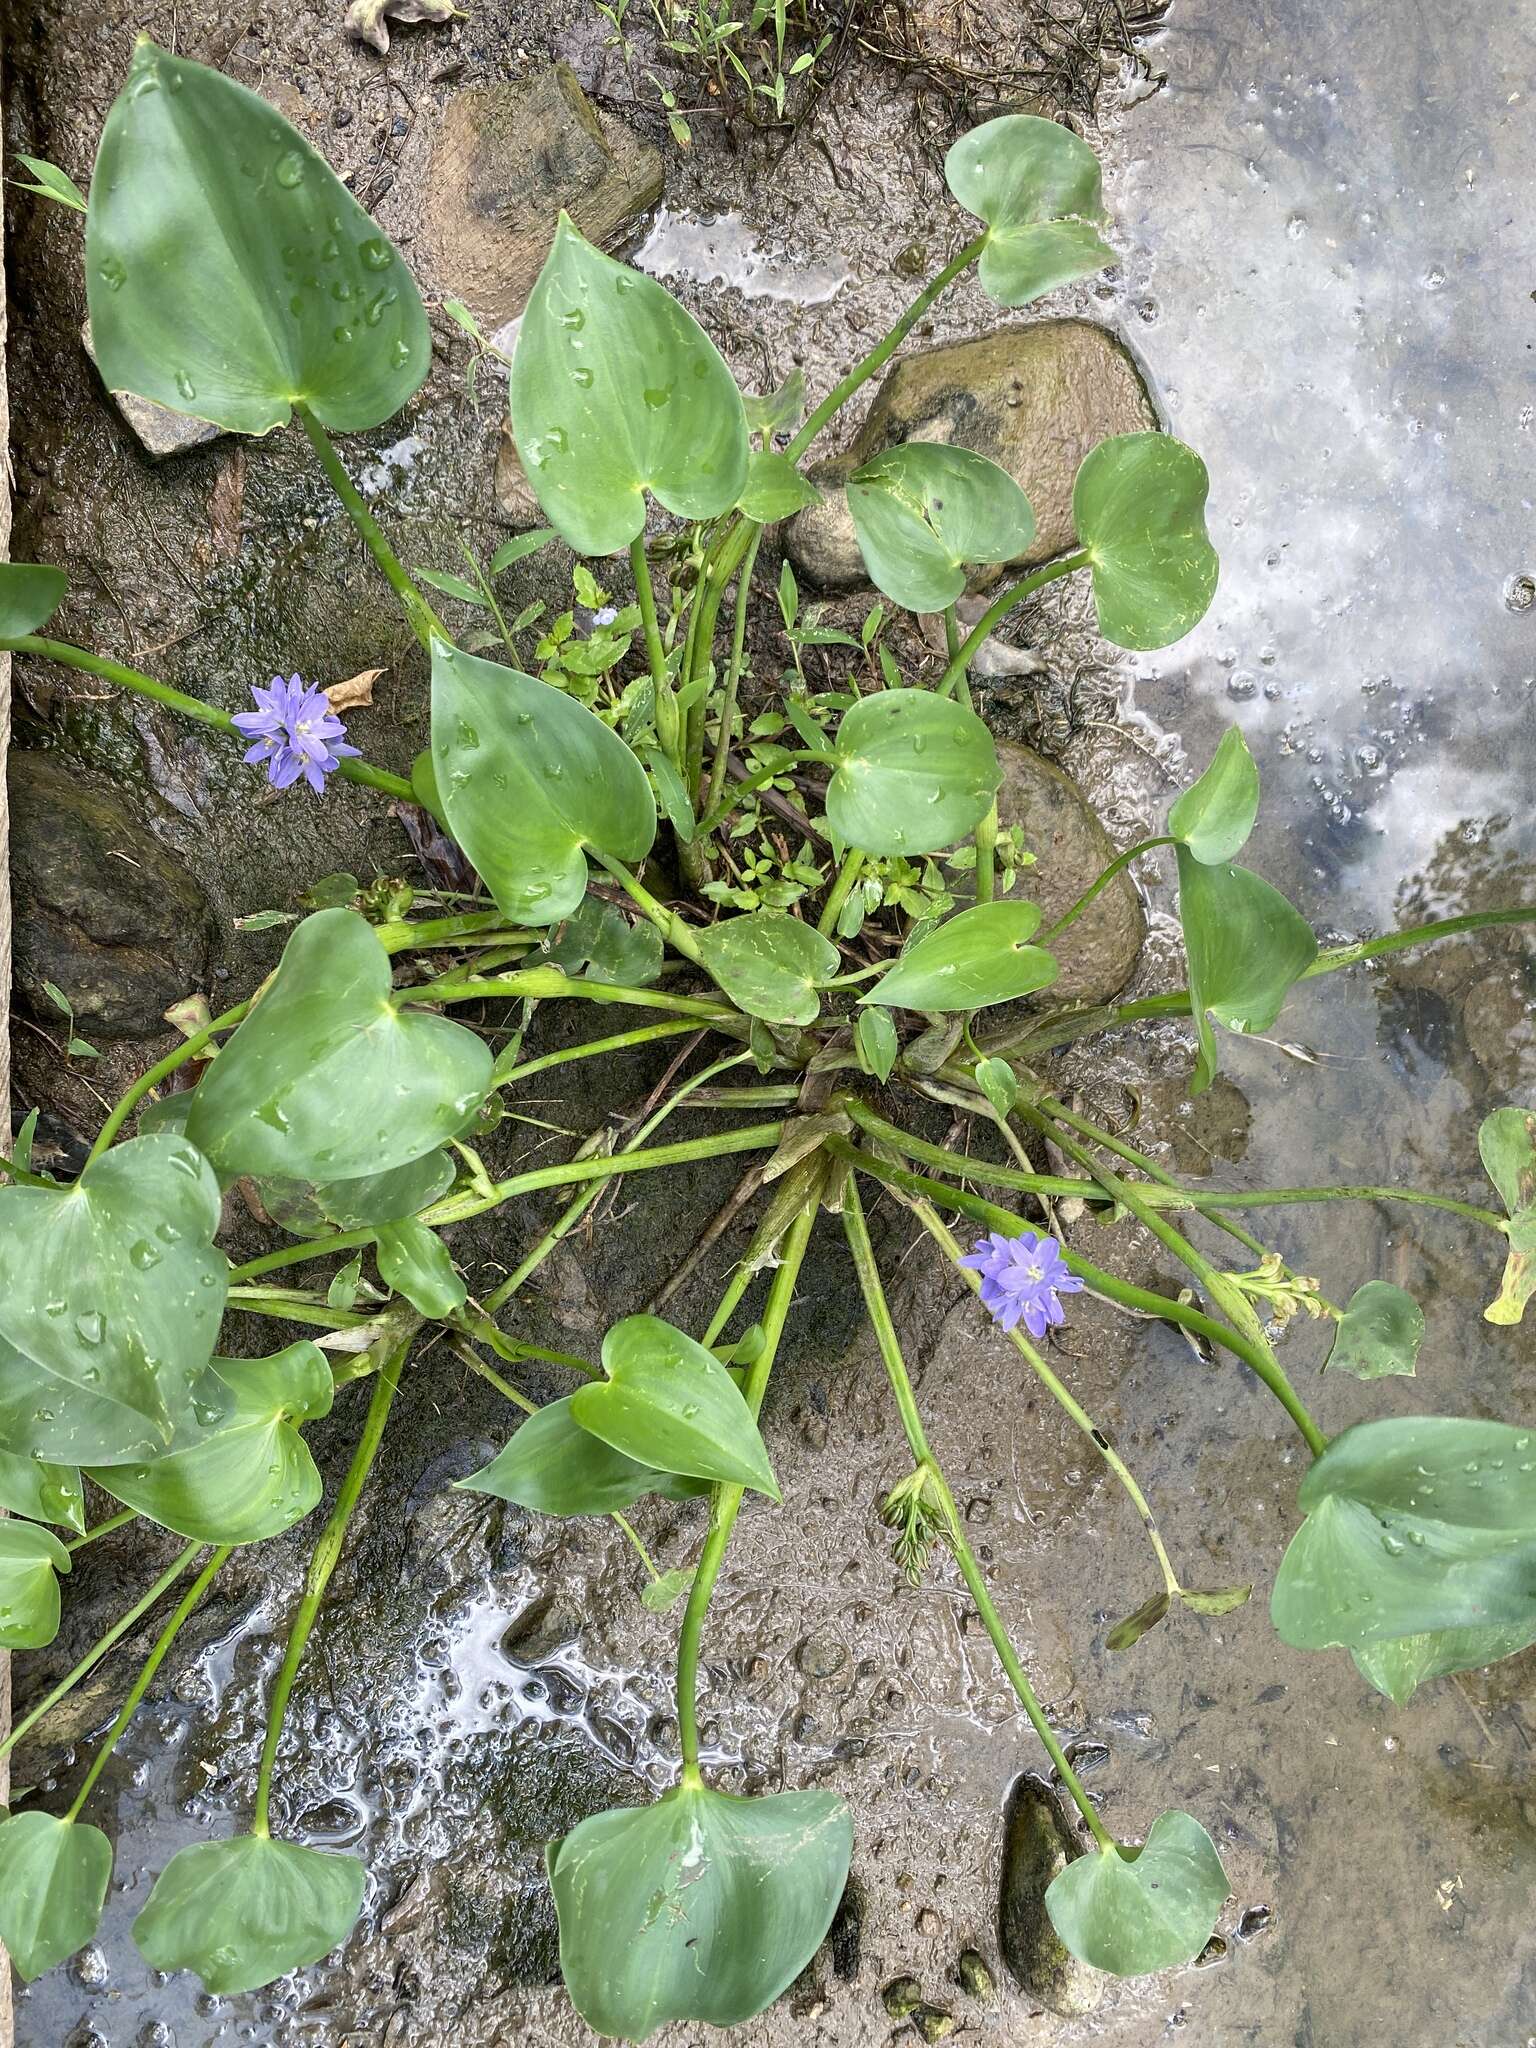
424	622
1096	888
668	730
954	1533
999	609
162	1071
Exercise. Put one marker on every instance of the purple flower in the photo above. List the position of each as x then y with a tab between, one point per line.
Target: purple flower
1021	1278
296	733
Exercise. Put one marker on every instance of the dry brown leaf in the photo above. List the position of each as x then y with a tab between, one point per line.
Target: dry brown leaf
354	691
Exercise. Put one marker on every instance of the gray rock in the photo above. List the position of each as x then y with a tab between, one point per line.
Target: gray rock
102	909
1033	399
160	431
1099	951
1037	1845
508	157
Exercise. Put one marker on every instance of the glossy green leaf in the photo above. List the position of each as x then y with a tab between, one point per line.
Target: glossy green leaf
555	1467
924	512
53	1885
42	1492
230	274
1139	508
415	1262
244	1912
1215	815
775	489
529	779
332	1076
1399	1667
30	594
111	1294
1506	1141
979	957
999	1083
1215	1599
1380	1333
1039	189
1413	1525
237	1470
661	1594
598	940
669	1403
912	772
617	391
310	1209
30	1560
1132	1911
877	1042
1246	948
702	1907
770	964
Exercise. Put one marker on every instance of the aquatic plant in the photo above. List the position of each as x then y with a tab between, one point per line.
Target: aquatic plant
232	277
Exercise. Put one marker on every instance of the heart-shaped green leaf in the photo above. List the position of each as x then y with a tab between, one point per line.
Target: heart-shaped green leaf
244	1912
770	964
912	772
415	1262
1132	1911
310	1209
1506	1141
1398	1668
877	1042
1413	1525
230	273
979	957
332	1076
237	1470
556	1467
1039	189
110	1299
1246	947
669	1403
30	1560
701	1907
924	512
1215	815
529	779
999	1083
30	594
617	391
53	1885
775	489
1379	1334
599	941
1139	508
42	1492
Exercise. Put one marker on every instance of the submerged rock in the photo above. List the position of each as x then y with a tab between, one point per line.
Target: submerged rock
102	909
1099	950
1038	1844
1032	399
508	158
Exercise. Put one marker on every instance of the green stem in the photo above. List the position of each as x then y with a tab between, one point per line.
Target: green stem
593	1047
1116	866
487	927
178	700
758	779
118	1521
725	1503
736	543
299	1254
1231	1300
162	1071
661	683
999	609
455	1208
1060	1394
141	1684
99	1649
322	1563
840	891
671	926
552	984
884	349
634	1536
911	1421
732	675
424	622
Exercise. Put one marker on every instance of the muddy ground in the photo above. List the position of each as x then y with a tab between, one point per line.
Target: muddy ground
482	1680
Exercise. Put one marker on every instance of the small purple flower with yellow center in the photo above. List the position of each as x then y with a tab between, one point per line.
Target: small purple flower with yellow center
295	733
1021	1279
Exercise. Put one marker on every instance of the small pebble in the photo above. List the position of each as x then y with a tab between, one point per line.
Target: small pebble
928	1922
975	1978
902	1997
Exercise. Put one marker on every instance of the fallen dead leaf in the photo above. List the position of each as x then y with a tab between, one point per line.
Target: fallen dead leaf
354	691
367	20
